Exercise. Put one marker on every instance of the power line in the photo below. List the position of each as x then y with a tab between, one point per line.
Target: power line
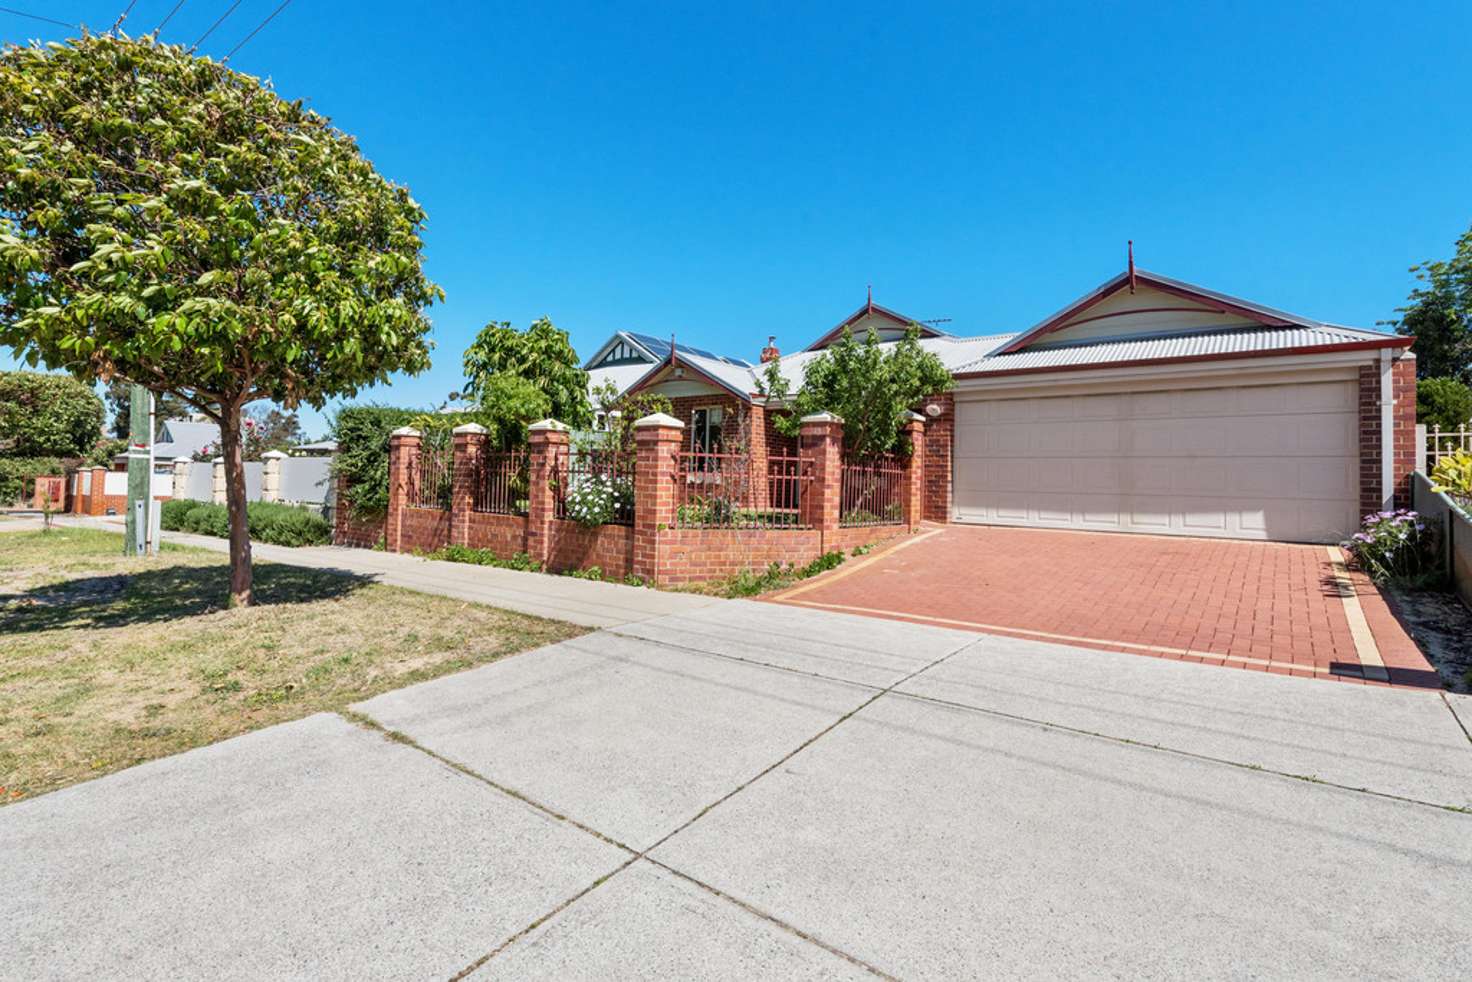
123	16
255	32
215	25
161	23
48	20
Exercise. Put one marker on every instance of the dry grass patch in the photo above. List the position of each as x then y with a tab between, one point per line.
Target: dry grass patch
106	662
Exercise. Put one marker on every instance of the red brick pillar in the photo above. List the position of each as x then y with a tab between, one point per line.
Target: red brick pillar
759	495
914	436
1403	427
97	500
403	457
657	438
469	449
820	439
548	440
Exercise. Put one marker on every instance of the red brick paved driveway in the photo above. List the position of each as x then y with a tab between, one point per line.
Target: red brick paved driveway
1257	605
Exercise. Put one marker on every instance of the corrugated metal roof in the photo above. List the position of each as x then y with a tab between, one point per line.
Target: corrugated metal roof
1195	344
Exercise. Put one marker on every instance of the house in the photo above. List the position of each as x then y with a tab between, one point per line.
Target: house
1146	405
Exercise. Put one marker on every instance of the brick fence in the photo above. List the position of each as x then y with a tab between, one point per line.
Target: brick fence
656	547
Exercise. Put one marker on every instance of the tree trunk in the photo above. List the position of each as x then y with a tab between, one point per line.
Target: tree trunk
240	571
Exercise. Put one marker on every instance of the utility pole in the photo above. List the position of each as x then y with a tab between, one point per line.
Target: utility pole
138	517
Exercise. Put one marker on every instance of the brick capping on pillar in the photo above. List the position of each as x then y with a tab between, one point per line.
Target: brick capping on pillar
657	440
549	440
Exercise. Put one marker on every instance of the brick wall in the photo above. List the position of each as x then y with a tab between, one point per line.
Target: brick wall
652	548
609	547
940	433
423	529
1402	438
349	531
505	535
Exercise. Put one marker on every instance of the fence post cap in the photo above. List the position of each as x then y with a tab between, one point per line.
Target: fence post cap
405	431
470	428
658	419
218	460
548	426
273	454
915	417
824	417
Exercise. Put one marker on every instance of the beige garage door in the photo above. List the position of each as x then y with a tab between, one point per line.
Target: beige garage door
1251	462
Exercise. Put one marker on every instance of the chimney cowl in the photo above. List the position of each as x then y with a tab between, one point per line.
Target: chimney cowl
770	352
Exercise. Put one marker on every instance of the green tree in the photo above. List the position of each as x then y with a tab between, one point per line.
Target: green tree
1443	402
119	400
871	385
621	412
47	416
168	221
1439	315
542	355
273	428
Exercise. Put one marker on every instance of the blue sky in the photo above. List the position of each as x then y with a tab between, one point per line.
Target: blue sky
725	172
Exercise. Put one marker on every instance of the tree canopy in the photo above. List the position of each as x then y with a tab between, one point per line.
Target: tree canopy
542	355
45	415
873	387
119	399
1443	402
169	221
1439	315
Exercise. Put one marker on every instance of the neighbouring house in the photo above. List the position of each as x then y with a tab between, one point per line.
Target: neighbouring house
1145	405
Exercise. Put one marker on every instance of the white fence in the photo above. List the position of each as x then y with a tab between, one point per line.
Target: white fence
1439	443
304	480
298	480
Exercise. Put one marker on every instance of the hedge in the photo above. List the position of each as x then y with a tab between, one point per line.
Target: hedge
16	471
362	435
47	415
278	524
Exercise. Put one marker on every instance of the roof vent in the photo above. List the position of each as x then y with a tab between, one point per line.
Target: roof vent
770	352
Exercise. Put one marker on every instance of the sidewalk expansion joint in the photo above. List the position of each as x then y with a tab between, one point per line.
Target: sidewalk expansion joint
1453	710
634	855
1193	755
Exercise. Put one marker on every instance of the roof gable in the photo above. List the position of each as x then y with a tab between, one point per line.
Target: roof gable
1139	303
881	319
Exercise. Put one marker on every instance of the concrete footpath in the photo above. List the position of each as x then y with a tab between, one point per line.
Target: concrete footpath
588	603
751	791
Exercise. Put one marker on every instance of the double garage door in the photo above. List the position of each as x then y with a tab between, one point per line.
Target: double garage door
1274	462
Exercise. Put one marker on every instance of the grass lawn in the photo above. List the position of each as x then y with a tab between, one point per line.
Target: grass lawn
106	662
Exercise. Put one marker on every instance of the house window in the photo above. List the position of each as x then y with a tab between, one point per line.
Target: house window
705	429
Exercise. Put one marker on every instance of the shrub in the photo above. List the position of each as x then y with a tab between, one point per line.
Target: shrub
1452	476
15	472
171	514
597	499
485	557
268	521
1393	547
43	414
362	435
